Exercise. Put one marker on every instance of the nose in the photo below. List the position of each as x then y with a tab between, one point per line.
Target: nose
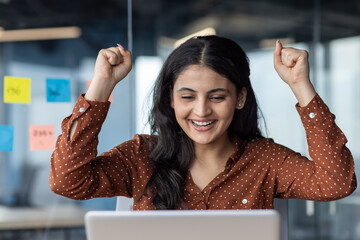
202	108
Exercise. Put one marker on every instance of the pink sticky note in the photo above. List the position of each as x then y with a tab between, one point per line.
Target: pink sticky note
42	137
87	87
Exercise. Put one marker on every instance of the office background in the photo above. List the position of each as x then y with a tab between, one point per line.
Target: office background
329	30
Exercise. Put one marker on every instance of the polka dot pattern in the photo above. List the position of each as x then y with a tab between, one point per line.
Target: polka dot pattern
256	173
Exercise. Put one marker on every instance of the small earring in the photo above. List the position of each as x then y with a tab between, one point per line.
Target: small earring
239	104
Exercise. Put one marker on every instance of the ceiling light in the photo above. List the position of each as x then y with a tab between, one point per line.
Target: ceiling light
204	32
37	34
270	42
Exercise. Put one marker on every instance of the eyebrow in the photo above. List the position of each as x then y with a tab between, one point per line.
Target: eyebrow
210	91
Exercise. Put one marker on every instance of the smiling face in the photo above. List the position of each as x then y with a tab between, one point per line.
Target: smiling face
204	103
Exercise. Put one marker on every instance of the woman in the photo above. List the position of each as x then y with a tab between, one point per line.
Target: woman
205	150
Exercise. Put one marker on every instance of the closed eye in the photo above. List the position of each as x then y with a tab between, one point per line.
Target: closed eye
187	97
217	98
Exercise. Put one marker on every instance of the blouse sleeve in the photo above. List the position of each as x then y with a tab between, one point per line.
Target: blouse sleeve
76	170
330	175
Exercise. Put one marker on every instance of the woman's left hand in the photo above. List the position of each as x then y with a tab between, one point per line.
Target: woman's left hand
292	65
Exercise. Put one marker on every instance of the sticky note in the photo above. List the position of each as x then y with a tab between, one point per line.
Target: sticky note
17	90
58	90
88	85
6	138
42	137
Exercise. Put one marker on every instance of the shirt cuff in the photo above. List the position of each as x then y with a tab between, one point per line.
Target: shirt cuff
83	105
315	113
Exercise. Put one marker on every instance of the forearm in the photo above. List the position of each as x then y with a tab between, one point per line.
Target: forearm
96	92
331	174
76	171
304	92
99	90
72	129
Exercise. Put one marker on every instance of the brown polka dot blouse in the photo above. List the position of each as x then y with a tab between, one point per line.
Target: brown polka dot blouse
255	173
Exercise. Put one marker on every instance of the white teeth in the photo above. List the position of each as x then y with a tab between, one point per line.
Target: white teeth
202	123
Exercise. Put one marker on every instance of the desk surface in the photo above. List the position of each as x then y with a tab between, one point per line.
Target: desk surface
41	218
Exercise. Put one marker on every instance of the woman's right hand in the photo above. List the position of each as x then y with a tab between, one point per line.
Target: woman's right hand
112	65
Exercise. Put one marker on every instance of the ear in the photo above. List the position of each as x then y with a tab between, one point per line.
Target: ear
241	98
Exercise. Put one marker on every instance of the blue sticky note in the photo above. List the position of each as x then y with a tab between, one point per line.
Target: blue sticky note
6	138
58	90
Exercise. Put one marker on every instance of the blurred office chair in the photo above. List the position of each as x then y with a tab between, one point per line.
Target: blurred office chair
281	205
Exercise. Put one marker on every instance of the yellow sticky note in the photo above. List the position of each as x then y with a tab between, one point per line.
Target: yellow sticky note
17	90
42	137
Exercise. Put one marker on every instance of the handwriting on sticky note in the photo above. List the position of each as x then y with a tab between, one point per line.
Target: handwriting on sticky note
58	90
14	90
17	90
42	137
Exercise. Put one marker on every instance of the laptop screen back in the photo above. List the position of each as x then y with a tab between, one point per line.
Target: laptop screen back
183	225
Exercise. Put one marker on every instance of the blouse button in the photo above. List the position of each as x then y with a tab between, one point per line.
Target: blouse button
311	115
244	201
81	109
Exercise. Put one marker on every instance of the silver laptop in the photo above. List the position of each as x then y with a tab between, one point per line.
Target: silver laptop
183	225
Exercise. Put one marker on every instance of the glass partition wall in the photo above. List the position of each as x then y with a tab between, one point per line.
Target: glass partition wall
328	30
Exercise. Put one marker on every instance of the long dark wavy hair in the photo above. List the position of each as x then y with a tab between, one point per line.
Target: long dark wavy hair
173	151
